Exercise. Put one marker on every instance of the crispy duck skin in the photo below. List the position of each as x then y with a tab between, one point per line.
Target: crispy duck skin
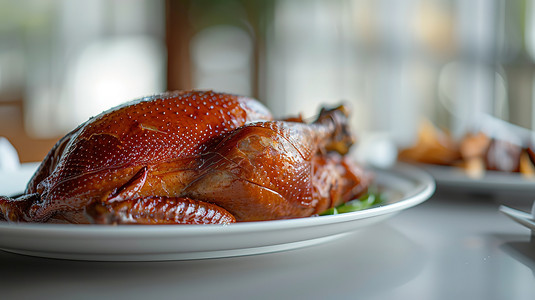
158	210
191	157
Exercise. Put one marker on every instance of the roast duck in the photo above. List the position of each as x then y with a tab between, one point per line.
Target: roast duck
192	157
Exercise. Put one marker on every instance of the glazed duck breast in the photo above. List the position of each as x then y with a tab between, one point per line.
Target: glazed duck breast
192	157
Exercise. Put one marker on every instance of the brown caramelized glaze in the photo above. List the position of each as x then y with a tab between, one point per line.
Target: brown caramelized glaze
193	157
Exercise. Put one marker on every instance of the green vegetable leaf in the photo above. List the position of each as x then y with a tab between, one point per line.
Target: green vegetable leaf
371	198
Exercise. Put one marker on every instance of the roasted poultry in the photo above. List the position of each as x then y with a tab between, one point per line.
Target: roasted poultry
192	157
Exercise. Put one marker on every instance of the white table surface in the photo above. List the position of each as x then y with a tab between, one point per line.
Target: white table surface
454	246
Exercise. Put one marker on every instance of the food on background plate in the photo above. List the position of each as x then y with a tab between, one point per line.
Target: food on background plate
192	157
433	146
475	152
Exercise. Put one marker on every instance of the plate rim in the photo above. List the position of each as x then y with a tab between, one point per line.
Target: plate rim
491	181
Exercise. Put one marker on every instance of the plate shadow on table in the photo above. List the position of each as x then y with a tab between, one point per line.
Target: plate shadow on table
367	262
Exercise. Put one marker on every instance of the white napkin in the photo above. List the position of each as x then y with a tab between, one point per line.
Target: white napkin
9	158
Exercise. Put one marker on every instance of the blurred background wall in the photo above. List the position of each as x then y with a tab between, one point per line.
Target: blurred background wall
395	62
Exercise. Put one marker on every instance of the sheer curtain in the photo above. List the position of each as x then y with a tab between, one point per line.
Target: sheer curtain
400	62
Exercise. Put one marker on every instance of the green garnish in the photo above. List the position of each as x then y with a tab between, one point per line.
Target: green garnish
369	199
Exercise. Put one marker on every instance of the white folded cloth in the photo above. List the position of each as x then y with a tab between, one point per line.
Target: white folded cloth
9	158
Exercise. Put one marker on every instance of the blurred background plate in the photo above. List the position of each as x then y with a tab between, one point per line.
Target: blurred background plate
493	182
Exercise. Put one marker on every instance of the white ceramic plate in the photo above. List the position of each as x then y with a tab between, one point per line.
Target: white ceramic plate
404	186
492	182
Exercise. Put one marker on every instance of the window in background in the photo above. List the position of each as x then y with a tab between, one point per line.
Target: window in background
451	61
311	58
530	49
359	51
